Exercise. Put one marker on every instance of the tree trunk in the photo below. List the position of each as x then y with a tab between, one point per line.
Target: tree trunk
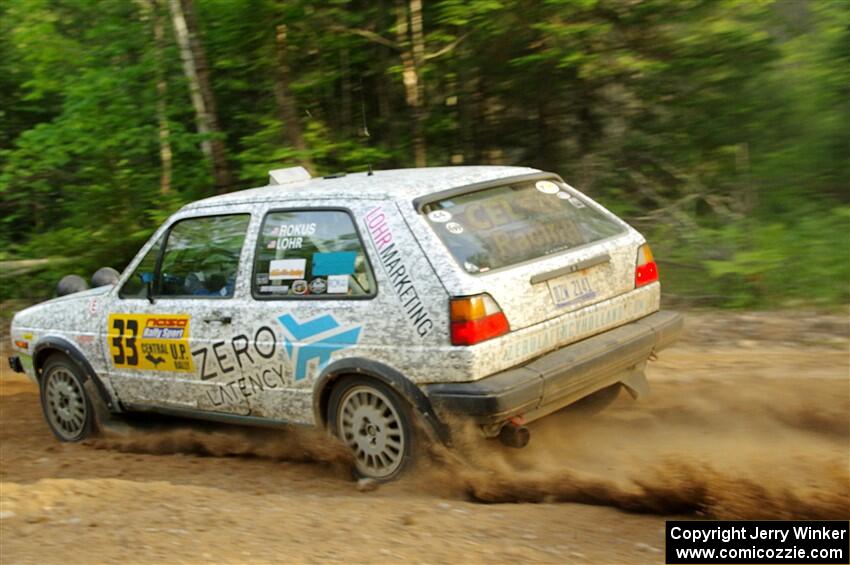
165	153
197	73
413	86
345	89
286	101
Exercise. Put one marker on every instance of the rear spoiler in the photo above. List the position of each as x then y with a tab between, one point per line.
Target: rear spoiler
422	201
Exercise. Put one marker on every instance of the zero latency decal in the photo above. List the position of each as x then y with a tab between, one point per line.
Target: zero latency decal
151	342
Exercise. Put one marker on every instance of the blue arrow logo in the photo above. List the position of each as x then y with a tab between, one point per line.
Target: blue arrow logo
316	338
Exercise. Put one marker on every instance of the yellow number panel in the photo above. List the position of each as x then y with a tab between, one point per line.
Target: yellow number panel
150	342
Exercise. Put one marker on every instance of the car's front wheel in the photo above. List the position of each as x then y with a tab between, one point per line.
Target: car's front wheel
374	424
64	400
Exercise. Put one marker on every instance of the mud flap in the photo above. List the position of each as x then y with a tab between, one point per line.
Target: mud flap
636	383
103	416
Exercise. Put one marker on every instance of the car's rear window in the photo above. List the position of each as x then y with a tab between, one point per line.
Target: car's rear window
517	222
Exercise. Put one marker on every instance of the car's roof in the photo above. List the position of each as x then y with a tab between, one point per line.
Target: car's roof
397	184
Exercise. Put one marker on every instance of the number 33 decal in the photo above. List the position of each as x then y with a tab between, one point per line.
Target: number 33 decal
149	342
124	350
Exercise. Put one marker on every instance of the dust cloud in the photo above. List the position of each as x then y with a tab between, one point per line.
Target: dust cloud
742	449
164	436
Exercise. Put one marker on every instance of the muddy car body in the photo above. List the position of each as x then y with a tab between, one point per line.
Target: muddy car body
364	303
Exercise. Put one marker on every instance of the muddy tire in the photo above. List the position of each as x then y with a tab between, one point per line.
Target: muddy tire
375	424
65	401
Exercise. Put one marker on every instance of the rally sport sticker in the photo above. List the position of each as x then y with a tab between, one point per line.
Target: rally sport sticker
150	342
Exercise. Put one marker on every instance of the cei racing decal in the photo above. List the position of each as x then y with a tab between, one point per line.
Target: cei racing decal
150	342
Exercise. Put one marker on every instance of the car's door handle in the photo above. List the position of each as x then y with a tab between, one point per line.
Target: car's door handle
218	319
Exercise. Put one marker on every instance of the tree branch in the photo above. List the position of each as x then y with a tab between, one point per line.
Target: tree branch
370	35
448	48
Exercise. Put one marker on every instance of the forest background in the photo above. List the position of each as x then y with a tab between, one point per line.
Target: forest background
720	128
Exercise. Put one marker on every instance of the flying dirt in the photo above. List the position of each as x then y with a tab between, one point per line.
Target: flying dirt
746	419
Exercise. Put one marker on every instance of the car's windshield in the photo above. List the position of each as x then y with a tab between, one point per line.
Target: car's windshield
516	222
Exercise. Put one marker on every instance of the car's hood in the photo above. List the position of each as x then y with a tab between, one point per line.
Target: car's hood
69	303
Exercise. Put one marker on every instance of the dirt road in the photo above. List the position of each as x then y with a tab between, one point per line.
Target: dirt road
748	418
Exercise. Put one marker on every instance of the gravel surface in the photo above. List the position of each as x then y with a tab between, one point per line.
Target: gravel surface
743	421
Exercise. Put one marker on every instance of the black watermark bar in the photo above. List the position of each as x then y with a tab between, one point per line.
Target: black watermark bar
821	542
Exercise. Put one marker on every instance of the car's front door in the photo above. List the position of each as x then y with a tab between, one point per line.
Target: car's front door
168	327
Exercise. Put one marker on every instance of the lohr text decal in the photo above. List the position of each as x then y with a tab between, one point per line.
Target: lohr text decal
392	261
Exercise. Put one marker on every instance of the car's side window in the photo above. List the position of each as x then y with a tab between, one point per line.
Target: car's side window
310	254
201	257
137	285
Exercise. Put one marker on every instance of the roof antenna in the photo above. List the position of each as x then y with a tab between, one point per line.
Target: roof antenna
364	131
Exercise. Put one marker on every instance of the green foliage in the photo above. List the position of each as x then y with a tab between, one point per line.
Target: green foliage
717	128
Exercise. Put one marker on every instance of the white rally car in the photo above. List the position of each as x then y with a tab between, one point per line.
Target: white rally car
373	304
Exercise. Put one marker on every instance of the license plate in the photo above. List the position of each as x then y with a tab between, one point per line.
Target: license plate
571	290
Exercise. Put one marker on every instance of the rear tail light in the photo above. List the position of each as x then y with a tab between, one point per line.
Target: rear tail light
475	319
646	270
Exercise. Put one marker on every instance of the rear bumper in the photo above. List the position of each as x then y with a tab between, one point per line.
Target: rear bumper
561	377
15	364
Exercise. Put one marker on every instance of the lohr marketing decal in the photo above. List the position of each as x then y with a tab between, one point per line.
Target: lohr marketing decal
392	261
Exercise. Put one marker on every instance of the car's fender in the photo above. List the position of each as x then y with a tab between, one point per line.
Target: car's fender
387	375
47	345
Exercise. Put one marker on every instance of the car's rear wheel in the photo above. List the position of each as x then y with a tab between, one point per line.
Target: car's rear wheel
374	424
64	400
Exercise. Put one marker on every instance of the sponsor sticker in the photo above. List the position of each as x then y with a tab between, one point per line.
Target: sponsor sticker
318	286
564	195
287	269
439	216
334	263
547	187
150	342
454	228
299	287
272	244
338	284
275	288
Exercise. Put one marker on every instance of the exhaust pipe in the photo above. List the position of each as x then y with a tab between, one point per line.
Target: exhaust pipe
514	435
